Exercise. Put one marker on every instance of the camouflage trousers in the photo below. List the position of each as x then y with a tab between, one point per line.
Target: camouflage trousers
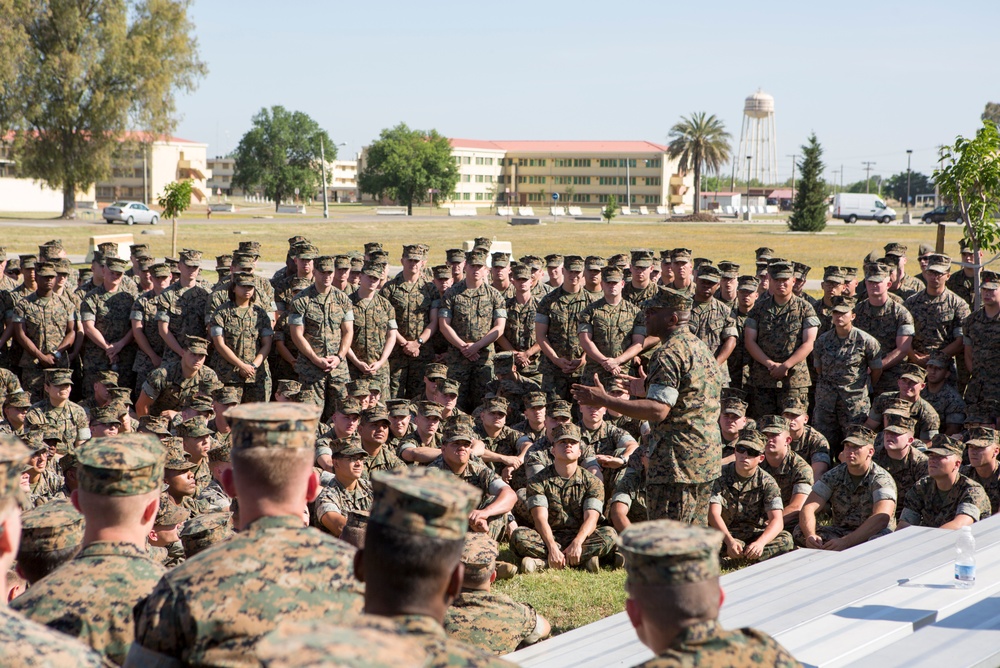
836	410
321	388
472	378
983	386
142	367
380	378
95	361
258	390
406	375
687	503
828	532
33	381
557	384
527	542
778	545
768	400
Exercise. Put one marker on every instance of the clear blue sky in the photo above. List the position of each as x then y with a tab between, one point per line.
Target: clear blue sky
872	79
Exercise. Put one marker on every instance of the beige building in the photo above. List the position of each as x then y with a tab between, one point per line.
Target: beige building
343	183
143	168
222	169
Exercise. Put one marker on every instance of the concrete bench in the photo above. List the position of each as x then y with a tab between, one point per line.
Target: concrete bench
291	208
557	211
123	241
626	211
505	211
575	211
390	211
661	211
462	211
525	211
223	208
495	247
643	211
525	220
680	210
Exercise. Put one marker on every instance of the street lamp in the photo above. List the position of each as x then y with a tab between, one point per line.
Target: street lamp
906	216
746	215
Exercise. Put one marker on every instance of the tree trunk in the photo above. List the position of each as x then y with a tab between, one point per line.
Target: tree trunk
173	238
69	200
409	208
697	187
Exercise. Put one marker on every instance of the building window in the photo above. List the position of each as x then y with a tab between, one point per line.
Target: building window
466	178
466	196
563	162
653	181
585	199
581	162
479	197
458	159
487	161
466	160
651	199
655	162
581	180
479	178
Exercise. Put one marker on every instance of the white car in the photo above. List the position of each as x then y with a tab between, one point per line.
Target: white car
130	212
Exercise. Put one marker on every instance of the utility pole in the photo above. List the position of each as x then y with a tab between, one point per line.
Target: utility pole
322	166
794	158
868	170
841	178
906	215
835	171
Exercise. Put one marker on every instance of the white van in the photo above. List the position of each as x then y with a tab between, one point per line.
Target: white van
849	207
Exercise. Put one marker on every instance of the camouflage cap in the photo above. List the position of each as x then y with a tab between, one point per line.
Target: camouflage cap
190	257
221	452
349	406
858	434
503	362
575	263
324	264
135	249
45	269
939	359
981	437
698	261
850	273
458	430
889	261
441	271
172	262
454	256
670	299
178	460
900	424
925	250
764	253
108	247
373	269
479	553
990	280
665	552
729	269
195	427
482	242
945	446
155	424
296	239
793	405
752	440
876	272
595	262
897	406
801	270
833	274
58	376
18	400
748	283
429	409
398	407
202	403
423	501
203	531
554	260
341	262
273	425
347	447
14	267
681	255
226	395
250	247
843	304
197	345
223	261
536	400
376	413
357	388
412	252
159	270
559	408
619	260
734	406
520	272
939	263
781	269
372	246
710	273
567	432
773	424
895	248
500	259
52	526
318	644
169	514
642	257
478	258
495	405
357	263
115	264
288	388
912	372
35	438
448	386
105	415
65	267
243	279
762	268
122	465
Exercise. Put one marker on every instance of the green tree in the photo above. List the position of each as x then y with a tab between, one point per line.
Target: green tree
404	164
700	142
174	201
280	153
611	210
895	185
86	73
871	186
992	112
970	179
809	207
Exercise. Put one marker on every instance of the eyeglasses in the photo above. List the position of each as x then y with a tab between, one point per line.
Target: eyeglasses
744	450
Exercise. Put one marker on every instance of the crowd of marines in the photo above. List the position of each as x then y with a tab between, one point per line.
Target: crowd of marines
251	471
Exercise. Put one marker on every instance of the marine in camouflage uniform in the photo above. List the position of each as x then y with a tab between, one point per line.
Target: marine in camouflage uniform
381	457
9	385
904	463
711	320
245	330
739	360
68	420
946	401
91	597
109	313
983	467
793	476
843	364
374	325
609	440
415	304
928	504
169	390
557	331
664	558
472	313
928	423
144	310
779	330
937	318
981	335
183	311
811	445
639	288
519	329
46	322
890	323
630	490
613	328
188	616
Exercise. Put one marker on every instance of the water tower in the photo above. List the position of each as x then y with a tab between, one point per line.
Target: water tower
757	157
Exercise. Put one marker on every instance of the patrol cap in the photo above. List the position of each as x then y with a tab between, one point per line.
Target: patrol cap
197	345
441	271
981	437
195	427
296	239
339	261
356	263
612	274
108	247
178	460
346	447
897	406
912	372
520	272
373	269
324	263
223	261
619	260
28	261
412	252
989	280
503	362
764	253
349	406
734	406
319	644
372	246
226	395
457	430
559	408
939	360
762	268
273	425
190	257
780	269
843	303
169	513
479	553
536	400
19	399
159	270
357	388
250	247
900	424
554	260
423	501
895	248
501	259
532	261
454	256
64	266
244	279
477	258
945	446
155	424
752	439
204	531
924	250
35	439
665	552
707	272
482	242
670	299
115	264
574	263
794	406
398	407
43	269
222	452
858	434
850	273
172	262
773	424
448	386
567	432
642	257
495	405
876	272
595	262
58	376
105	415
376	413
429	409
748	283
833	274
801	270
729	269
939	263
55	525
122	465
698	261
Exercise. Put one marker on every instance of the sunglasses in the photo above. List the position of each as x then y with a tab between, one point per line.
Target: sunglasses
744	450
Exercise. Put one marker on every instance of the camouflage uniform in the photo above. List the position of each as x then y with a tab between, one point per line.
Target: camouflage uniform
215	498
712	322
384	460
745	503
779	332
937	319
443	650
991	484
812	446
885	323
519	329
739	360
539	456
947	403
630	489
842	386
961	285
504	443
374	323
48	487
489	620
335	498
905	472
794	476
927	419
26	644
242	330
611	328
69	421
559	310
144	310
610	440
982	333
321	317
44	321
566	500
472	313
707	644
412	304
185	310
637	296
111	314
684	449
483	478
170	390
852	502
925	506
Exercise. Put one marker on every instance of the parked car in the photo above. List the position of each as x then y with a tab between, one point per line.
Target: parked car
851	206
943	214
129	213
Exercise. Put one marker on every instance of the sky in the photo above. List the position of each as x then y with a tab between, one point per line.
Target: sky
871	79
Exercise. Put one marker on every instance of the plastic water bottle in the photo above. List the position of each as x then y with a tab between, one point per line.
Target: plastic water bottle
965	558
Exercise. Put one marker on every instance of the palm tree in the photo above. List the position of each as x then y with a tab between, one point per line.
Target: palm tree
699	142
